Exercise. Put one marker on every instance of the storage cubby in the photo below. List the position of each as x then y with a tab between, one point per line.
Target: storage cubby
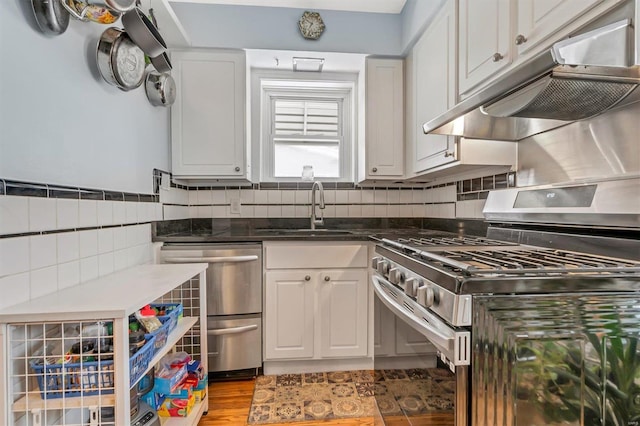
44	384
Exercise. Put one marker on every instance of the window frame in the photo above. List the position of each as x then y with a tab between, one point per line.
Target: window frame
344	91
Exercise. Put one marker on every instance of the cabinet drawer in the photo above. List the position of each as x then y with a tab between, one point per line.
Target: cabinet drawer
295	256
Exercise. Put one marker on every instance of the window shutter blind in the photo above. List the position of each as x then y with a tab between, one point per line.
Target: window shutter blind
306	118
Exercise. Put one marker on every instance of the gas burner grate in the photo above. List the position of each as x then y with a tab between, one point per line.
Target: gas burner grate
419	243
529	261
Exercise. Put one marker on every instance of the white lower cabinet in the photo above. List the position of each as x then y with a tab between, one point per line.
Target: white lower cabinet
44	381
313	311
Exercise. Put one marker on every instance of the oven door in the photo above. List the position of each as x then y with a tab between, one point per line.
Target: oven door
413	386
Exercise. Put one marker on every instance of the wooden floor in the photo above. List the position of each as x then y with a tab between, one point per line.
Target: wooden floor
229	404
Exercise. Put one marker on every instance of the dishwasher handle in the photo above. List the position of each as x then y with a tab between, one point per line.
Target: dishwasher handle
221	259
232	330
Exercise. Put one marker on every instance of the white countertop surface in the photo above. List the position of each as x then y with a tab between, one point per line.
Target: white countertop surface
113	296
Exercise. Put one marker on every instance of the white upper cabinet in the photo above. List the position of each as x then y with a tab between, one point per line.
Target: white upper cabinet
496	35
433	90
538	19
485	36
208	127
384	118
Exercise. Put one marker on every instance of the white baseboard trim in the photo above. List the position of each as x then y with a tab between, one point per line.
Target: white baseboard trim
316	366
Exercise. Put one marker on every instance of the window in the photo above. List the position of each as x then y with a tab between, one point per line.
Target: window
307	123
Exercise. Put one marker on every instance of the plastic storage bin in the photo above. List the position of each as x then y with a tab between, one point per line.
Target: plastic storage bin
88	378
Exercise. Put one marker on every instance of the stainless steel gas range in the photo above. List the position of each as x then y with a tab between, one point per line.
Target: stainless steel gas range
521	330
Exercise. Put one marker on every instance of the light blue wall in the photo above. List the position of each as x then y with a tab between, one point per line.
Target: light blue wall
277	28
60	122
416	16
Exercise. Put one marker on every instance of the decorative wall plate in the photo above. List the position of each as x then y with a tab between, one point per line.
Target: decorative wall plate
311	25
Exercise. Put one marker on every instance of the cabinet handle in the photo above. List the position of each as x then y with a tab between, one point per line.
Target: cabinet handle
327	278
448	154
237	169
307	278
520	39
375	169
497	57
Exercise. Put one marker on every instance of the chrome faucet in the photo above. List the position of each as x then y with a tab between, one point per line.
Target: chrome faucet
315	221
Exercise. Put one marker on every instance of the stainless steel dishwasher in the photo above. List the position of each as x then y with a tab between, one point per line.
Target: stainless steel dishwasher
234	303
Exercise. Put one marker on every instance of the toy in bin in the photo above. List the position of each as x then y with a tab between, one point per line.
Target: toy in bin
176	407
147	317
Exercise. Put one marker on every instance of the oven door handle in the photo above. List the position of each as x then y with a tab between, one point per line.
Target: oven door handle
232	330
221	259
443	341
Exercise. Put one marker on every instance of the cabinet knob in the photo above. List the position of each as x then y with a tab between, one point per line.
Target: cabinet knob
448	154
237	169
520	39
375	169
497	57
307	278
327	278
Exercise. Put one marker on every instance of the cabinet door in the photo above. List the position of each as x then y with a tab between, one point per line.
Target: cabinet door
538	19
342	312
208	116
288	314
434	60
385	118
484	29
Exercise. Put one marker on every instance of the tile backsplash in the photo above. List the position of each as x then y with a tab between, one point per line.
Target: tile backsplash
57	237
463	199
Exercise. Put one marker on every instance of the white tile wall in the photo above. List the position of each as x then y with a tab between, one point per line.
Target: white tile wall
14	255
88	213
14	215
42	213
14	289
68	246
42	251
368	202
105	213
470	209
37	265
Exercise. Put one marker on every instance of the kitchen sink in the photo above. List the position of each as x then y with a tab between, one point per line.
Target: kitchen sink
304	232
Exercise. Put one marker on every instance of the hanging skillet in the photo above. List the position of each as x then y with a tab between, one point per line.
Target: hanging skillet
51	17
143	32
120	60
161	63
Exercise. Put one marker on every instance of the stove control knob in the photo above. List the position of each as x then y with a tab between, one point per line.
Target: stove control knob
426	296
396	276
375	261
383	267
411	286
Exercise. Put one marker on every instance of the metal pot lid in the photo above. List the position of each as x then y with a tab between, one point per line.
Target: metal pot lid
52	18
127	61
121	5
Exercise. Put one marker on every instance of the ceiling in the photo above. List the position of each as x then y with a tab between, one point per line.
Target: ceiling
371	6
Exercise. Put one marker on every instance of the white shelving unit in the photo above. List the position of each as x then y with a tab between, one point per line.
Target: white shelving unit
26	327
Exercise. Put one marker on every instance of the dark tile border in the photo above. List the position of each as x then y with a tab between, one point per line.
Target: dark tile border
61	231
32	189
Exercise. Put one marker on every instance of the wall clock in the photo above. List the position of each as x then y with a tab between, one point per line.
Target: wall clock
311	25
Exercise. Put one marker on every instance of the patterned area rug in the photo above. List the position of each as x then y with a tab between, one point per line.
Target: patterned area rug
344	394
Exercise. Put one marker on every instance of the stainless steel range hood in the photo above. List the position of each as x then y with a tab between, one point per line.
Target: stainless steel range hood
575	79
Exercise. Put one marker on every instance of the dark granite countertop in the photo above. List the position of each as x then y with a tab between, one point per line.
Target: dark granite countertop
258	230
